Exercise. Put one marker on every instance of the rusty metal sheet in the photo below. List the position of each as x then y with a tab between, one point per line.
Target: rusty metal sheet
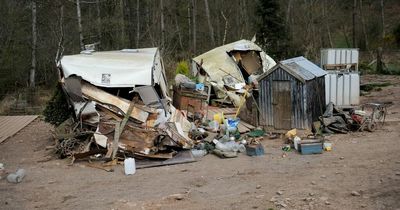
10	125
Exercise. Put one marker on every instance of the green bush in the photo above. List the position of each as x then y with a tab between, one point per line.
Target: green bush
57	109
183	68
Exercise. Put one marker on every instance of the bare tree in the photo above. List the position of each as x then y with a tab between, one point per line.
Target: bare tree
354	22
98	21
162	25
226	27
326	20
34	42
137	24
363	24
78	14
178	29
194	26
210	27
189	17
383	18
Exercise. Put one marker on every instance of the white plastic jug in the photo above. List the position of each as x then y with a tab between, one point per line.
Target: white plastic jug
130	166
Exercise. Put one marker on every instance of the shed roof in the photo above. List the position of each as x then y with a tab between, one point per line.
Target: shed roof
299	67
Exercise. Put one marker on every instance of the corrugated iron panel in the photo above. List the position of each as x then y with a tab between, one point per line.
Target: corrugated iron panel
10	125
298	95
307	69
343	89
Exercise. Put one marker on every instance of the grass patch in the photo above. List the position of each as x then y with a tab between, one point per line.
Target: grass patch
374	86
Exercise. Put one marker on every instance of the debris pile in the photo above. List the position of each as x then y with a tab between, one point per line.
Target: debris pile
228	68
367	117
121	109
114	117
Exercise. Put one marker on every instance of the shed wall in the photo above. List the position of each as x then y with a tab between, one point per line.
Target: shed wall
298	96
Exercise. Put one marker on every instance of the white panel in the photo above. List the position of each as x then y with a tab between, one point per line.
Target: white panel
333	56
339	89
343	89
355	89
346	88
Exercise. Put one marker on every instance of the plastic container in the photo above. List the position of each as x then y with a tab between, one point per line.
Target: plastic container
198	153
130	166
327	146
232	146
296	142
17	176
242	148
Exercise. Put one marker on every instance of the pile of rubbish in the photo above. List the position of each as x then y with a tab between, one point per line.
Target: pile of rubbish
369	117
229	68
224	138
120	108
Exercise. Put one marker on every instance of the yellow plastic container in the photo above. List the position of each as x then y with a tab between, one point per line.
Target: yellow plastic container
219	117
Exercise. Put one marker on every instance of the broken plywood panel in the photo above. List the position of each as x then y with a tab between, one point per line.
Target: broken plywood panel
140	113
10	125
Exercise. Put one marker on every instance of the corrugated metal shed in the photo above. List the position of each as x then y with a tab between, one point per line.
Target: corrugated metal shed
299	67
292	95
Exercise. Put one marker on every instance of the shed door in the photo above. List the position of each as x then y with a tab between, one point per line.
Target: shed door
282	104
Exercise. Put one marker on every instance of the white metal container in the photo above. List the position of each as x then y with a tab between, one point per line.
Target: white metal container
339	56
342	88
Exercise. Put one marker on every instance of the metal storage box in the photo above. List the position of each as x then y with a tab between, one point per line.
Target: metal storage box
342	88
311	148
339	58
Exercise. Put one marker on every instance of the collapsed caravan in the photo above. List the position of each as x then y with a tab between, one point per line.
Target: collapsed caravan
128	88
230	67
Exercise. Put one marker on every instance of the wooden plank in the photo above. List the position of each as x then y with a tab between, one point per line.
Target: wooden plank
251	127
140	113
10	125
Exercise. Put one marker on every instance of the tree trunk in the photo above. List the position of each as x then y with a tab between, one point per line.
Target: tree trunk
98	20
288	13
194	27
137	24
60	48
127	24
226	28
379	63
363	25
326	20
210	27
245	18
34	42
354	22
162	25
189	17
383	18
78	14
178	29
125	27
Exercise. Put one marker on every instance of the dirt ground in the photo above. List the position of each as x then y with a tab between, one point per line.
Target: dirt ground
368	163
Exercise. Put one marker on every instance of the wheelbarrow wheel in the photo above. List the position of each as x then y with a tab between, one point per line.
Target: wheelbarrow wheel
371	126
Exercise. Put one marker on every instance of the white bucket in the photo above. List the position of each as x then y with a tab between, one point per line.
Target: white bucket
130	166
